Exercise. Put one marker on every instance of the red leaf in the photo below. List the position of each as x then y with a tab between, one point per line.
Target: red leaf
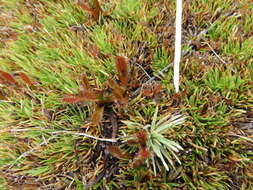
148	92
157	88
74	99
142	156
7	78
25	78
151	91
2	96
117	152
142	137
144	153
122	68
95	12
118	92
85	82
86	7
132	142
97	115
90	96
137	162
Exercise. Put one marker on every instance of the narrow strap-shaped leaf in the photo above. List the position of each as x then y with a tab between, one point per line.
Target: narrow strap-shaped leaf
25	78
163	128
156	148
8	78
153	124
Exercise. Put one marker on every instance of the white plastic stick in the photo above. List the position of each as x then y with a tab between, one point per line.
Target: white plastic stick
178	43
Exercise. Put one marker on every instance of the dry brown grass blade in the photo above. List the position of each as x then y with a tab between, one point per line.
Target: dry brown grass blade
97	115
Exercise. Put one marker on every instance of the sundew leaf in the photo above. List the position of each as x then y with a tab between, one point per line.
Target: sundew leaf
153	163
95	12
85	83
165	127
167	156
97	115
152	90
170	144
117	92
156	148
167	118
142	137
153	124
122	68
73	99
117	152
8	78
25	78
131	124
144	153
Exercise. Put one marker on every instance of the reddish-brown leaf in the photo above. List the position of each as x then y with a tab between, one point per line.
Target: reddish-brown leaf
86	7
97	115
74	99
26	79
157	88
144	153
118	92
90	96
133	142
117	152
2	96
151	91
85	83
137	162
148	92
142	137
141	157
7	78
95	12
122	68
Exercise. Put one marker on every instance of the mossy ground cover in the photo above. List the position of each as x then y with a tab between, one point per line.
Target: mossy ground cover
48	45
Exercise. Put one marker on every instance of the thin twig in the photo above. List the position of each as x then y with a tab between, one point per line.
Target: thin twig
143	70
86	135
215	53
31	151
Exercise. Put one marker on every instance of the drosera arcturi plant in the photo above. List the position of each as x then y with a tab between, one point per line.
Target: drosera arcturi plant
114	92
153	141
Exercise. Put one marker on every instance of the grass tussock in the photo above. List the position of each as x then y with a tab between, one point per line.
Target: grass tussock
77	112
